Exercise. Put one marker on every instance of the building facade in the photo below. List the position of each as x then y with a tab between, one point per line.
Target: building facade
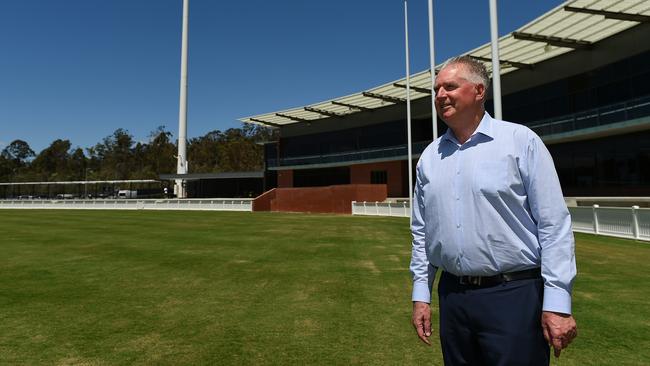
586	93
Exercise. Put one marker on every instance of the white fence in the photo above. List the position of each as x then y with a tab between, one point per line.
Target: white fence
632	223
399	209
623	222
202	204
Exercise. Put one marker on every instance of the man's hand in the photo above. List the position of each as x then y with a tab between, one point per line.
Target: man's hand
422	320
559	330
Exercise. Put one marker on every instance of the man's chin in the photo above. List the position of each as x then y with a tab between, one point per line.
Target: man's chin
447	115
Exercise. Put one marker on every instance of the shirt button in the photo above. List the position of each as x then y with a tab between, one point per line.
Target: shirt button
457	225
457	198
457	172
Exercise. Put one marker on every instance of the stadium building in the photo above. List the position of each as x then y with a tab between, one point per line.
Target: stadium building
579	76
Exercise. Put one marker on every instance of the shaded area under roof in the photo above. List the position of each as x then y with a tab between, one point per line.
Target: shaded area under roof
81	182
573	25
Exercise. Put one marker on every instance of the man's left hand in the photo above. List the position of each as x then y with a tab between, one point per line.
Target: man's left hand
559	330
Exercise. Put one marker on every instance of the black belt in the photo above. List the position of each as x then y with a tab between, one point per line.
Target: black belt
486	281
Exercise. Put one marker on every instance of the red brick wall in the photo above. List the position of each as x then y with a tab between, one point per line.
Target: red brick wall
331	199
285	178
360	174
263	201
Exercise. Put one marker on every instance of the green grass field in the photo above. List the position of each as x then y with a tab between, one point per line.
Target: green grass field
169	288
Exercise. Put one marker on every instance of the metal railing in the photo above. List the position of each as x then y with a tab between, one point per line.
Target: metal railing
622	222
613	113
357	155
199	204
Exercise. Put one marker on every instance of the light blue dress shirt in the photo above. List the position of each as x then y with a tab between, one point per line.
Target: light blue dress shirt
489	206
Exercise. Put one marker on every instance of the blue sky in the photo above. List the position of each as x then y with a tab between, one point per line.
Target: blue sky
79	69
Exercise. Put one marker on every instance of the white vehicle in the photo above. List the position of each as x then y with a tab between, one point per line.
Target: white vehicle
125	193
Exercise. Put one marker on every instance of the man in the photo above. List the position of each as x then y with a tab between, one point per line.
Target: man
488	210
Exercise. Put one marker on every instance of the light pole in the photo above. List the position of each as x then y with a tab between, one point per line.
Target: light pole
181	166
408	106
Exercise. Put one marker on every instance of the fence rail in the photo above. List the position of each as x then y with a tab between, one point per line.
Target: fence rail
200	204
623	222
398	209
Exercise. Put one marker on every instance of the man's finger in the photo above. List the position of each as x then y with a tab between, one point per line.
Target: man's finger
563	343
420	329
556	352
427	326
547	335
422	321
557	346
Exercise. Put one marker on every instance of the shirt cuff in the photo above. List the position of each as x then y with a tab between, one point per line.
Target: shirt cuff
421	292
555	300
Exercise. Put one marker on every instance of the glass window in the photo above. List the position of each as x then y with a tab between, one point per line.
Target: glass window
378	177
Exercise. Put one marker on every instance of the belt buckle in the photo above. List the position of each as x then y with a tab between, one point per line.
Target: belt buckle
470	280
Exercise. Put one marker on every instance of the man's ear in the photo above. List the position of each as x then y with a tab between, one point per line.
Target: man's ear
480	92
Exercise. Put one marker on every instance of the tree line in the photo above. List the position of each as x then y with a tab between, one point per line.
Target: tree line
119	157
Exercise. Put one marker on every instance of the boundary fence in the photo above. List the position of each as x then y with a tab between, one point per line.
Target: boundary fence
397	209
199	204
623	222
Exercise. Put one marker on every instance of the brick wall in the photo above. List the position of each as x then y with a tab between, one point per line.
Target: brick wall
360	174
331	199
285	178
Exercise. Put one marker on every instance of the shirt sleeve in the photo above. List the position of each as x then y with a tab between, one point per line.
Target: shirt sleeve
553	226
423	273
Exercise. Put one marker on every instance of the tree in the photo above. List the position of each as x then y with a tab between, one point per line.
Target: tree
236	149
52	164
115	156
6	169
202	152
241	148
159	152
18	151
239	152
15	160
78	164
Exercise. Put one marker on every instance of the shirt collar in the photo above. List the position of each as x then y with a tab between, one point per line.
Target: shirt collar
484	128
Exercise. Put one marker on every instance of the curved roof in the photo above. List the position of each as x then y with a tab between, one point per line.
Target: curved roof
573	25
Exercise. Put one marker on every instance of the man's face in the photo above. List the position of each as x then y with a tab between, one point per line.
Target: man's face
457	98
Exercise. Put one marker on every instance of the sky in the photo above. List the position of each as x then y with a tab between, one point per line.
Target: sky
80	69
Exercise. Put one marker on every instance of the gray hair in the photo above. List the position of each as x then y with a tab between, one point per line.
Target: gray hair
477	73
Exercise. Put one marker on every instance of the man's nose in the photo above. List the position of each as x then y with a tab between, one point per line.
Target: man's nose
440	94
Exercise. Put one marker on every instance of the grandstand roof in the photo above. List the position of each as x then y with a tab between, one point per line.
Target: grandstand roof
79	182
225	175
573	25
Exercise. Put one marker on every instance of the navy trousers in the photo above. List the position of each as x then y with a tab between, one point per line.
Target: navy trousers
497	325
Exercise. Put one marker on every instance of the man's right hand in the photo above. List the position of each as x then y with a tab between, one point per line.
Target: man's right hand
422	320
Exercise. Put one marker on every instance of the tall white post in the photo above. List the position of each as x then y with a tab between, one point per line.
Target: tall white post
408	106
432	60
496	69
181	167
596	224
635	222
